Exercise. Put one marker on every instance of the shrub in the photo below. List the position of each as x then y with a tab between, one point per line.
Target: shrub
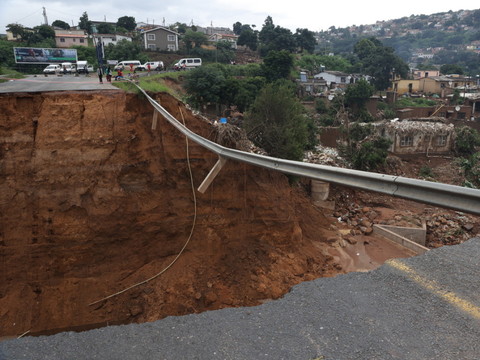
426	172
466	140
371	154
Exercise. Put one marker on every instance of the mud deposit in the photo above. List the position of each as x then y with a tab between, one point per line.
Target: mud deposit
93	201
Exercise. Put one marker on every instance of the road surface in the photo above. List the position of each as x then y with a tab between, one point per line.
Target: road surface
425	307
41	83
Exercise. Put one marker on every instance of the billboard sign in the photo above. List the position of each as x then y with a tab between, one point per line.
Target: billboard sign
44	55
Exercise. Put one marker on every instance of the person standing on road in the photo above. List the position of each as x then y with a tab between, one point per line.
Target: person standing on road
85	68
100	74
108	74
148	67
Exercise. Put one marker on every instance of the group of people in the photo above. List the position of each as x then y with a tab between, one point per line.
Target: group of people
107	71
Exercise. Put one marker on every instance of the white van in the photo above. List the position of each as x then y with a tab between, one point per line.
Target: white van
188	63
82	65
154	65
67	68
52	69
126	64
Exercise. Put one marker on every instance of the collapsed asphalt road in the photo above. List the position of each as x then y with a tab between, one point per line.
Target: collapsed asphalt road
40	83
426	307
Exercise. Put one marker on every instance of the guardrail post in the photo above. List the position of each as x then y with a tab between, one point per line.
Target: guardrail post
212	174
155	119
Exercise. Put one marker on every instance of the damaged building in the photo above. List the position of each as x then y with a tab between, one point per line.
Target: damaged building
418	135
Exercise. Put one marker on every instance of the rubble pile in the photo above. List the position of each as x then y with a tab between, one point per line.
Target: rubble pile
444	228
431	126
360	219
325	156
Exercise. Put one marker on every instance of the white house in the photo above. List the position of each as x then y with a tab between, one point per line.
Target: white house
107	39
337	78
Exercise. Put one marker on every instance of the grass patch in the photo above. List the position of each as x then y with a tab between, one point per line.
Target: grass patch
414	102
7	73
153	83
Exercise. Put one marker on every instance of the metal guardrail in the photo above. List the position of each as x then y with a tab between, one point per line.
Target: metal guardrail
443	195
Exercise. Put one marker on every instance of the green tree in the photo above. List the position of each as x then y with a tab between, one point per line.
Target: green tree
248	38
305	40
45	31
317	63
275	38
127	22
267	34
278	122
206	84
194	39
85	23
181	28
357	95
86	53
380	62
451	69
61	24
17	30
6	51
224	52
247	91
237	28
125	50
277	65
105	28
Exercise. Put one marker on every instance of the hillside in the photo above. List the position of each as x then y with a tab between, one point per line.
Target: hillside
418	38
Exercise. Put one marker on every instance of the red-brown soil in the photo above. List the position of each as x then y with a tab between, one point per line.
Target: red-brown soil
93	201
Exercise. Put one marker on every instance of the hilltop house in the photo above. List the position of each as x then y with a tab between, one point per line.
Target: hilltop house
443	85
107	39
406	86
232	39
160	38
68	38
335	78
418	74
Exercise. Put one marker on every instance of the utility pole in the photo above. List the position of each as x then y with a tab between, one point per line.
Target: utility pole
45	16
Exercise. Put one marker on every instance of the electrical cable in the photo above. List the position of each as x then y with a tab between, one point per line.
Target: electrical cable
186	243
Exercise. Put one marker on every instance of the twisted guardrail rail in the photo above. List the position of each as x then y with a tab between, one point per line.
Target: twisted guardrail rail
438	194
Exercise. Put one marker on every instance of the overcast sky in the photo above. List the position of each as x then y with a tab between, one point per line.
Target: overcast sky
314	15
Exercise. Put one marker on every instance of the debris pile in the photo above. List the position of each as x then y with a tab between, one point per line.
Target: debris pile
444	228
360	219
431	126
325	156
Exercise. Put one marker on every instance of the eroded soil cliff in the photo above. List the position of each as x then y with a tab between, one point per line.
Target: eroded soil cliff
93	201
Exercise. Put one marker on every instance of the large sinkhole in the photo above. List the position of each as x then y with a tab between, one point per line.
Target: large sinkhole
93	202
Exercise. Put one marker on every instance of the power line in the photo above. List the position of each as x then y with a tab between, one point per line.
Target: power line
17	21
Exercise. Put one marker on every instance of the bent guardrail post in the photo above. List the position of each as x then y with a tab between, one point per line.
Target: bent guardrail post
212	174
154	120
443	195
